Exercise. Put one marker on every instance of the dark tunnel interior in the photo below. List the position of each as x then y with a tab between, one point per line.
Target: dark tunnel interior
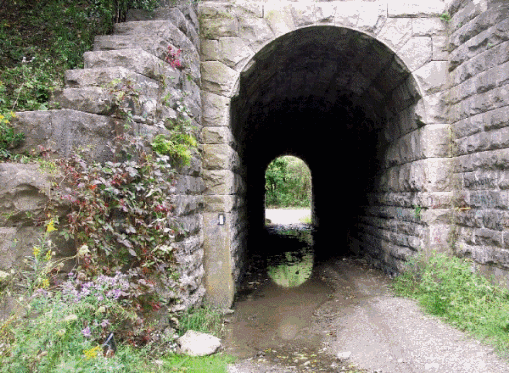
325	95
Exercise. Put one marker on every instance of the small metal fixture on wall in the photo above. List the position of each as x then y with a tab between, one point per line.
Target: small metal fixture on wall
221	218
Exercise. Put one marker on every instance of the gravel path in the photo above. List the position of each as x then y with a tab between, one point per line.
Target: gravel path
286	216
380	332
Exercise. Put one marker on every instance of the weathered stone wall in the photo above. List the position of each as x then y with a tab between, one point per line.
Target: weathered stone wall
136	52
408	209
479	114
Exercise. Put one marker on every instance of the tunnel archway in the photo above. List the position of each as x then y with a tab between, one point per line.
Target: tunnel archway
346	104
339	99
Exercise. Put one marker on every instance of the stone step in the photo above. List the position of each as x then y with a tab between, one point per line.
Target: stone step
154	45
164	30
137	60
93	100
187	25
107	77
65	131
96	100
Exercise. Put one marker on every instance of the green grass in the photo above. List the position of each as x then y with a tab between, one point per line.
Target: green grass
306	219
204	319
210	364
448	287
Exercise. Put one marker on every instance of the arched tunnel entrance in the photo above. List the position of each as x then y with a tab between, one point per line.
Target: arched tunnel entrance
345	104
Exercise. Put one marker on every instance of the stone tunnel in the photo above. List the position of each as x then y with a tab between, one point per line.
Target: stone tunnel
344	86
399	108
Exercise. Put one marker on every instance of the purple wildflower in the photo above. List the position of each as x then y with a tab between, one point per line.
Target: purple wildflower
86	332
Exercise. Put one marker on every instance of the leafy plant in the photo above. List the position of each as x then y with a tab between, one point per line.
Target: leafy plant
448	287
445	17
417	212
178	145
9	139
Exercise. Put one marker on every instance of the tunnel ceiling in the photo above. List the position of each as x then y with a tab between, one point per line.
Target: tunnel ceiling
323	74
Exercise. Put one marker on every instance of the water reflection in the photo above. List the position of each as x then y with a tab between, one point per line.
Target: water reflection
294	266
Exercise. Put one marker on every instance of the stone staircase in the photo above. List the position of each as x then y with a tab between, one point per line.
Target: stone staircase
128	70
129	62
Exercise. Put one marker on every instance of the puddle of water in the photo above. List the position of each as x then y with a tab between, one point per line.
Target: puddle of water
292	268
274	316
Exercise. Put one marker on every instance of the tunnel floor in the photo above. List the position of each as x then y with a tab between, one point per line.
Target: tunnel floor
275	319
296	313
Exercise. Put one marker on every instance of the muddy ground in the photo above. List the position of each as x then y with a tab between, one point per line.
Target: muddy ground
341	316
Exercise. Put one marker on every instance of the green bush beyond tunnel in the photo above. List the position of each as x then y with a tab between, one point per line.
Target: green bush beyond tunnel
287	183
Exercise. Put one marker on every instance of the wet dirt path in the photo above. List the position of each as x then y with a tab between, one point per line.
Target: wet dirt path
344	308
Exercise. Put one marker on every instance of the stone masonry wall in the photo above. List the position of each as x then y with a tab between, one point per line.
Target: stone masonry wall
136	52
479	114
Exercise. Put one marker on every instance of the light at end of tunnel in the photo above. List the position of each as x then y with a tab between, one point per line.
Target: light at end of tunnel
221	219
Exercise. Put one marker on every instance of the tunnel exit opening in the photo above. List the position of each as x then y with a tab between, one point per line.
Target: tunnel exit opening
288	191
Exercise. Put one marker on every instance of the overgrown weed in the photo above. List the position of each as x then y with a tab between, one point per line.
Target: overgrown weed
206	319
450	288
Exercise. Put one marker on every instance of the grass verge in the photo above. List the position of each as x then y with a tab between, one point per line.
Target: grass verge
449	287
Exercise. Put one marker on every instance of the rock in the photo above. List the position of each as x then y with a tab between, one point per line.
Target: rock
198	344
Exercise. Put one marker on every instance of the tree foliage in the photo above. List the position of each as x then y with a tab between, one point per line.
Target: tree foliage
287	183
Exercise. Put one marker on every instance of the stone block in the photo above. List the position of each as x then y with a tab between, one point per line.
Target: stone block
432	77
279	17
372	16
248	8
233	52
416	8
435	141
220	182
65	131
495	119
467	127
255	31
396	32
436	108
93	100
209	50
25	191
416	52
136	60
428	27
304	14
217	261
107	76
325	12
185	204
216	110
218	157
218	78
217	135
213	28
440	48
347	14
